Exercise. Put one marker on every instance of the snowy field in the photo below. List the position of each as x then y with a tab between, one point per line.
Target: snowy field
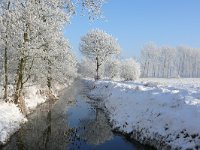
161	112
10	115
187	83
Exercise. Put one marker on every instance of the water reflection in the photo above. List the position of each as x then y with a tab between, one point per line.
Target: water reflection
89	128
44	130
96	131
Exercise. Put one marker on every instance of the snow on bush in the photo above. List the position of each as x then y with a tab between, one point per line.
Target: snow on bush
165	117
10	120
33	97
112	69
130	69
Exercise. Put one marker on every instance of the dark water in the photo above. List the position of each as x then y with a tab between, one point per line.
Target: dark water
70	123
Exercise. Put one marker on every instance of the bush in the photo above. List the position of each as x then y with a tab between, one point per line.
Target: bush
112	69
130	69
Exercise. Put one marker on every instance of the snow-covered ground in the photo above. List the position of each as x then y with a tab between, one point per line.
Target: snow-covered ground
184	83
10	120
10	115
161	112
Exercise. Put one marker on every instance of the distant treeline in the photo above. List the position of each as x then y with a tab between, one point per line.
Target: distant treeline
170	62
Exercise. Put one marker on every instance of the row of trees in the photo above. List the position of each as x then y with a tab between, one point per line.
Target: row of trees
32	45
101	50
169	62
114	69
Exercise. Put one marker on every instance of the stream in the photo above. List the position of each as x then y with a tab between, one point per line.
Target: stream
72	122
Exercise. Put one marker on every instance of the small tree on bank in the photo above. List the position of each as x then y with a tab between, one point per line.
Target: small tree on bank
99	46
130	69
112	69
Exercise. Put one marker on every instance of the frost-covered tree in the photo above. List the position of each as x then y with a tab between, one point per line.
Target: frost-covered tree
99	46
148	53
8	18
56	64
32	44
130	69
5	20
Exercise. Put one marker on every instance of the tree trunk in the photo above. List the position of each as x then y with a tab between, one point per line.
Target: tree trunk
97	69
5	75
19	81
49	78
147	73
18	99
6	62
144	69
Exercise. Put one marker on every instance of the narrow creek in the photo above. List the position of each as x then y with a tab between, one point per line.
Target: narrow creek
72	122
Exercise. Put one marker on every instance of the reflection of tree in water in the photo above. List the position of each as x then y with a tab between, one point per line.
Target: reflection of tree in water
96	131
54	136
44	130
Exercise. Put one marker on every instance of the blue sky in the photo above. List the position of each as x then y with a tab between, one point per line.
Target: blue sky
136	22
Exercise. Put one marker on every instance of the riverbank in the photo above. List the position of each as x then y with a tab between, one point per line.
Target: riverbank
163	116
11	118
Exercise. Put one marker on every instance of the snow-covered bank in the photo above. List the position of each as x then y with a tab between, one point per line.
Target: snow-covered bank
34	97
10	115
166	117
10	120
